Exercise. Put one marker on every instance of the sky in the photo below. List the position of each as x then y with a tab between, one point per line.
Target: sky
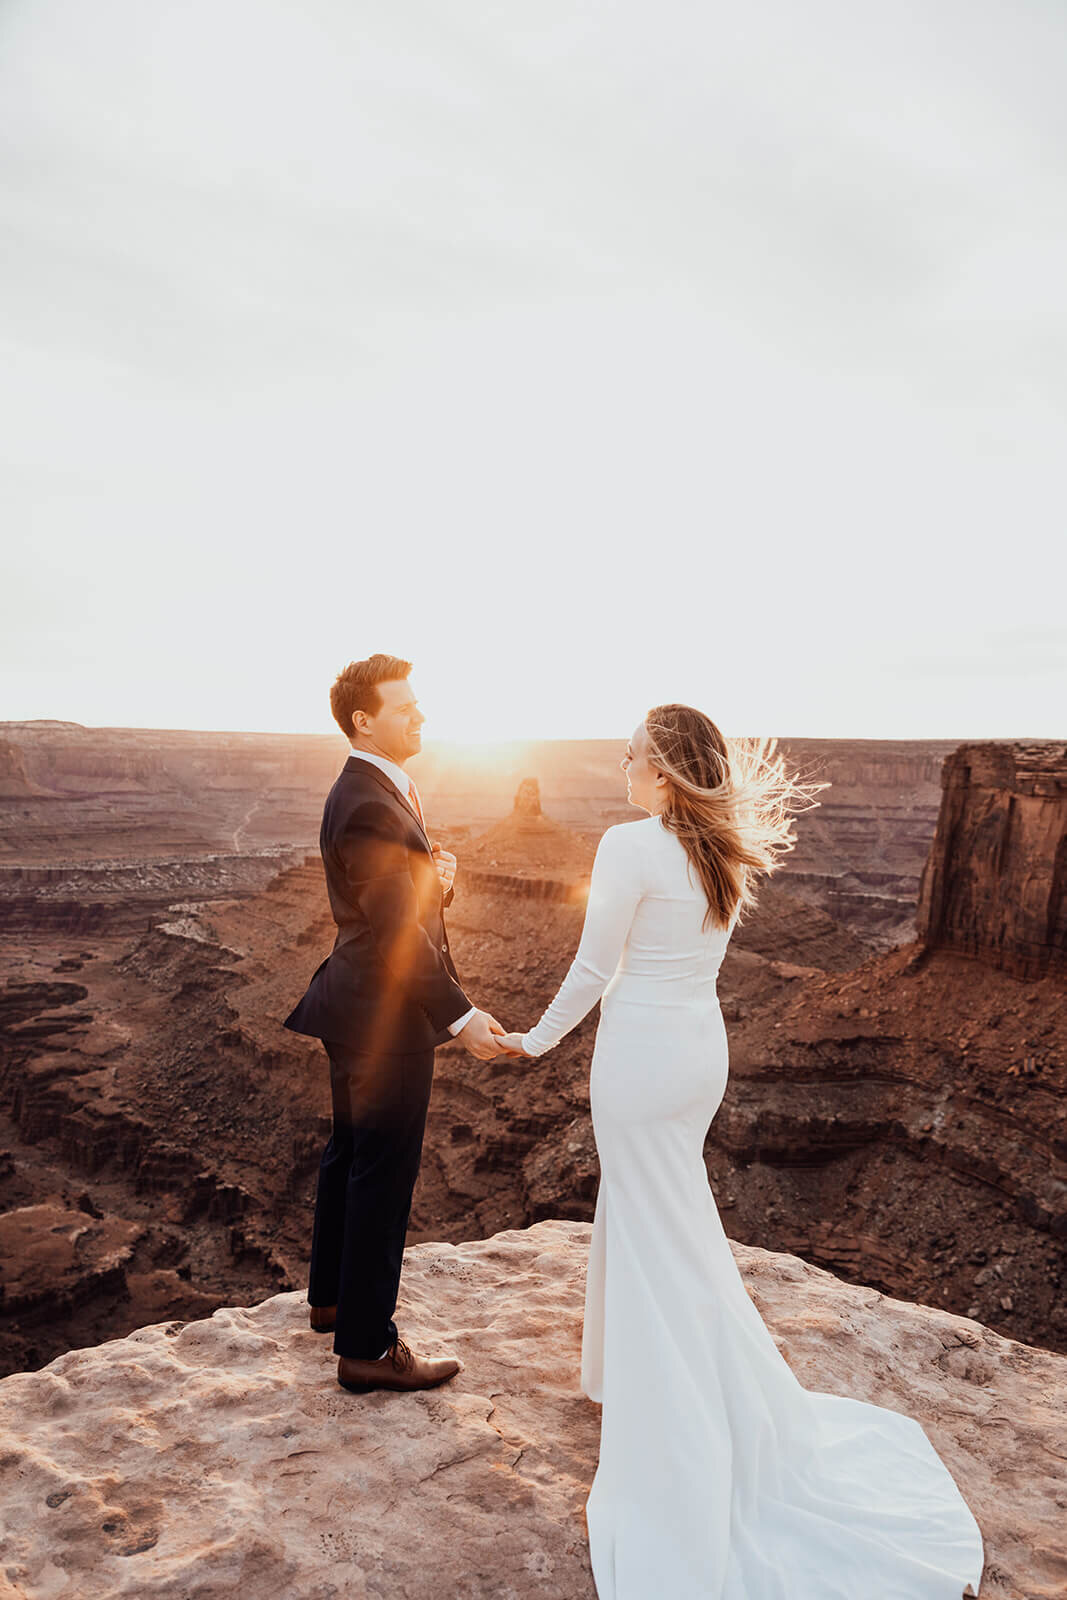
588	357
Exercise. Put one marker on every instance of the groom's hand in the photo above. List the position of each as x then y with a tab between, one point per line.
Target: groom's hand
480	1036
445	862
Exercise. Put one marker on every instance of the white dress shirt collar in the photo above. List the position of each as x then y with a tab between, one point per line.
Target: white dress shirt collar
396	775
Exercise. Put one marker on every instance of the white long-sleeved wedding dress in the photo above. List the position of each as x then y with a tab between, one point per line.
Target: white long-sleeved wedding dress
720	1476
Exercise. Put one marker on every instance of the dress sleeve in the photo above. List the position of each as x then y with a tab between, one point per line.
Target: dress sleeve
615	888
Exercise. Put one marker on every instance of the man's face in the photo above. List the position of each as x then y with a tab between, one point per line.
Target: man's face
394	731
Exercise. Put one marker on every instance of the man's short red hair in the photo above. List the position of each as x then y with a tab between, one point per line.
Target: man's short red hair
356	688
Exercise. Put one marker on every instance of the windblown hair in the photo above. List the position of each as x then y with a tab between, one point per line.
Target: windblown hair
729	802
356	688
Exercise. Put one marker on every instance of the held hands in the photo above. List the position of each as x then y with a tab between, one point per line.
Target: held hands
485	1038
510	1044
481	1036
445	862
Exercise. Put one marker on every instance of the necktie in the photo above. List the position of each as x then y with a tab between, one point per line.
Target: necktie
413	797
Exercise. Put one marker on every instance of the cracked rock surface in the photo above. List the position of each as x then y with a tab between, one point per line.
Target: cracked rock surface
219	1458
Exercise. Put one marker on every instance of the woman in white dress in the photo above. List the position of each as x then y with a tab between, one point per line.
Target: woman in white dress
720	1476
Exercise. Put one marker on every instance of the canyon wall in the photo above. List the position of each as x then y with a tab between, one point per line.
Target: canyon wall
71	795
129	895
995	883
898	1120
15	783
895	1117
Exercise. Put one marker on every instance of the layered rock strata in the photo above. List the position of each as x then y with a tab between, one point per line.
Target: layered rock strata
71	795
897	1120
151	1083
995	883
109	896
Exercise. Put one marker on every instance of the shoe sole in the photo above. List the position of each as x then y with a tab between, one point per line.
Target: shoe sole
322	1327
396	1388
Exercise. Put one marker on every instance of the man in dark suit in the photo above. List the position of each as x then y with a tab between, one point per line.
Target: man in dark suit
383	999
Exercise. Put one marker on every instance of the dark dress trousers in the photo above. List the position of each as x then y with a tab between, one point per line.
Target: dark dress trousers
380	1002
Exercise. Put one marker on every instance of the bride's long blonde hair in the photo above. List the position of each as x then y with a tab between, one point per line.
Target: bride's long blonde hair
728	800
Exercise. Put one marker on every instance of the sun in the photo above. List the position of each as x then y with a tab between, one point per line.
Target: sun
479	755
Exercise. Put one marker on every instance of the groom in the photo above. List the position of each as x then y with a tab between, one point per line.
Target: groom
385	996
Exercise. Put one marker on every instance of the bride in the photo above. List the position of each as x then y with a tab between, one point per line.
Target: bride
720	1476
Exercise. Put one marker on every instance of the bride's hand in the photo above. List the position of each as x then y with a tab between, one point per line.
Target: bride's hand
511	1044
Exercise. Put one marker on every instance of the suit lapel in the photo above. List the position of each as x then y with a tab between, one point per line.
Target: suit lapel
367	768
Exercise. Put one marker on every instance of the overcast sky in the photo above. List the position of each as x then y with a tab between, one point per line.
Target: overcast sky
589	356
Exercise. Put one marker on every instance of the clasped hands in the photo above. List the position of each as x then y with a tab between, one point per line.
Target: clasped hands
485	1038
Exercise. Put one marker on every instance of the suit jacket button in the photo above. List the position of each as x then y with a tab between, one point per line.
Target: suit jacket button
444	949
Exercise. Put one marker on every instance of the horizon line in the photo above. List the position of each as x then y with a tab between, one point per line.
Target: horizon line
599	738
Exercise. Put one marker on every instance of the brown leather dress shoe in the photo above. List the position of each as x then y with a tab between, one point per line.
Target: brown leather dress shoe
323	1319
399	1368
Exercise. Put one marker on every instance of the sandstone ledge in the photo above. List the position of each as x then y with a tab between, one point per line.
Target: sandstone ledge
217	1458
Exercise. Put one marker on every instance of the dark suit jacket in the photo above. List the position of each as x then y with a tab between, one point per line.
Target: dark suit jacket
389	985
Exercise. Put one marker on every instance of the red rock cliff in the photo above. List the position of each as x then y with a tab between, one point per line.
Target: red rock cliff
995	882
